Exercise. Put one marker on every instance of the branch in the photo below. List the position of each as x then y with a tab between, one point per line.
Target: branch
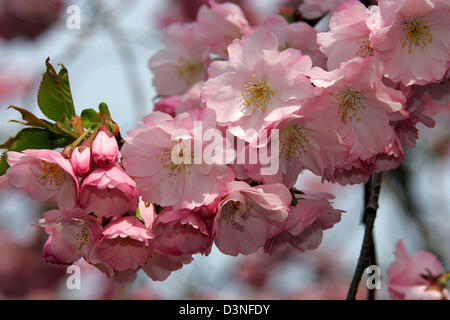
367	255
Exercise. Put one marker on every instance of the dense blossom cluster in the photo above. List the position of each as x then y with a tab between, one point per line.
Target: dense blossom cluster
344	103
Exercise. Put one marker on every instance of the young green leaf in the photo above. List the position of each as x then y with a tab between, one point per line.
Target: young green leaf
54	96
90	119
33	121
103	107
3	164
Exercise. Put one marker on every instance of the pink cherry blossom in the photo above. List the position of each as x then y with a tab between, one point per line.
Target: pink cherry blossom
298	35
174	105
72	235
257	85
411	38
348	36
390	158
183	182
219	24
125	244
159	266
105	150
306	141
181	232
249	216
108	192
81	161
361	104
351	172
42	174
303	229
415	277
313	9
182	62
147	213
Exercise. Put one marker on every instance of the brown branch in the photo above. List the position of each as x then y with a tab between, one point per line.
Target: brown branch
367	254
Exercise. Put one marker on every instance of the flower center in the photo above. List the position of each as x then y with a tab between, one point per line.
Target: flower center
256	94
365	50
53	174
349	103
82	238
189	70
293	141
235	213
175	166
416	32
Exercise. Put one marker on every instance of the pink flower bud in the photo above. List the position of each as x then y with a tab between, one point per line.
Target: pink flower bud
81	161
105	150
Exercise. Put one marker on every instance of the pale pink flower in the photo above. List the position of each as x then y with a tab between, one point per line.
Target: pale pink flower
437	96
161	158
182	62
159	266
72	235
415	277
105	150
313	9
361	104
167	105
411	38
351	172
303	229
147	213
181	232
42	174
348	36
298	35
108	192
125	244
257	85
390	158
306	141
174	105
249	216
81	161
219	24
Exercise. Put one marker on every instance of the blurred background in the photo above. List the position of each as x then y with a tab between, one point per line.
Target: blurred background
107	62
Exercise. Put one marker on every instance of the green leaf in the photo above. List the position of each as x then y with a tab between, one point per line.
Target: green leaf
103	107
90	119
3	164
54	96
33	121
35	138
32	138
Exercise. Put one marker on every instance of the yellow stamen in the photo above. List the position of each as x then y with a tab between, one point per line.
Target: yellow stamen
189	70
349	103
53	173
293	141
416	32
365	50
256	94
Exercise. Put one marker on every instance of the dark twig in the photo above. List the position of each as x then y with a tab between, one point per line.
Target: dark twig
367	255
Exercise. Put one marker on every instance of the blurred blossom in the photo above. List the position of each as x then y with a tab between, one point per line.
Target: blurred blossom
28	18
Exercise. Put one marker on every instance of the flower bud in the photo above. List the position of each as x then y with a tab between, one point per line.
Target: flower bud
105	150
81	161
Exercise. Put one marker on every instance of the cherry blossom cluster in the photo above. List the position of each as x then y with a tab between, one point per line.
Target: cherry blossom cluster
344	104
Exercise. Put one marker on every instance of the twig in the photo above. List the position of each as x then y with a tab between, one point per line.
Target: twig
367	255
